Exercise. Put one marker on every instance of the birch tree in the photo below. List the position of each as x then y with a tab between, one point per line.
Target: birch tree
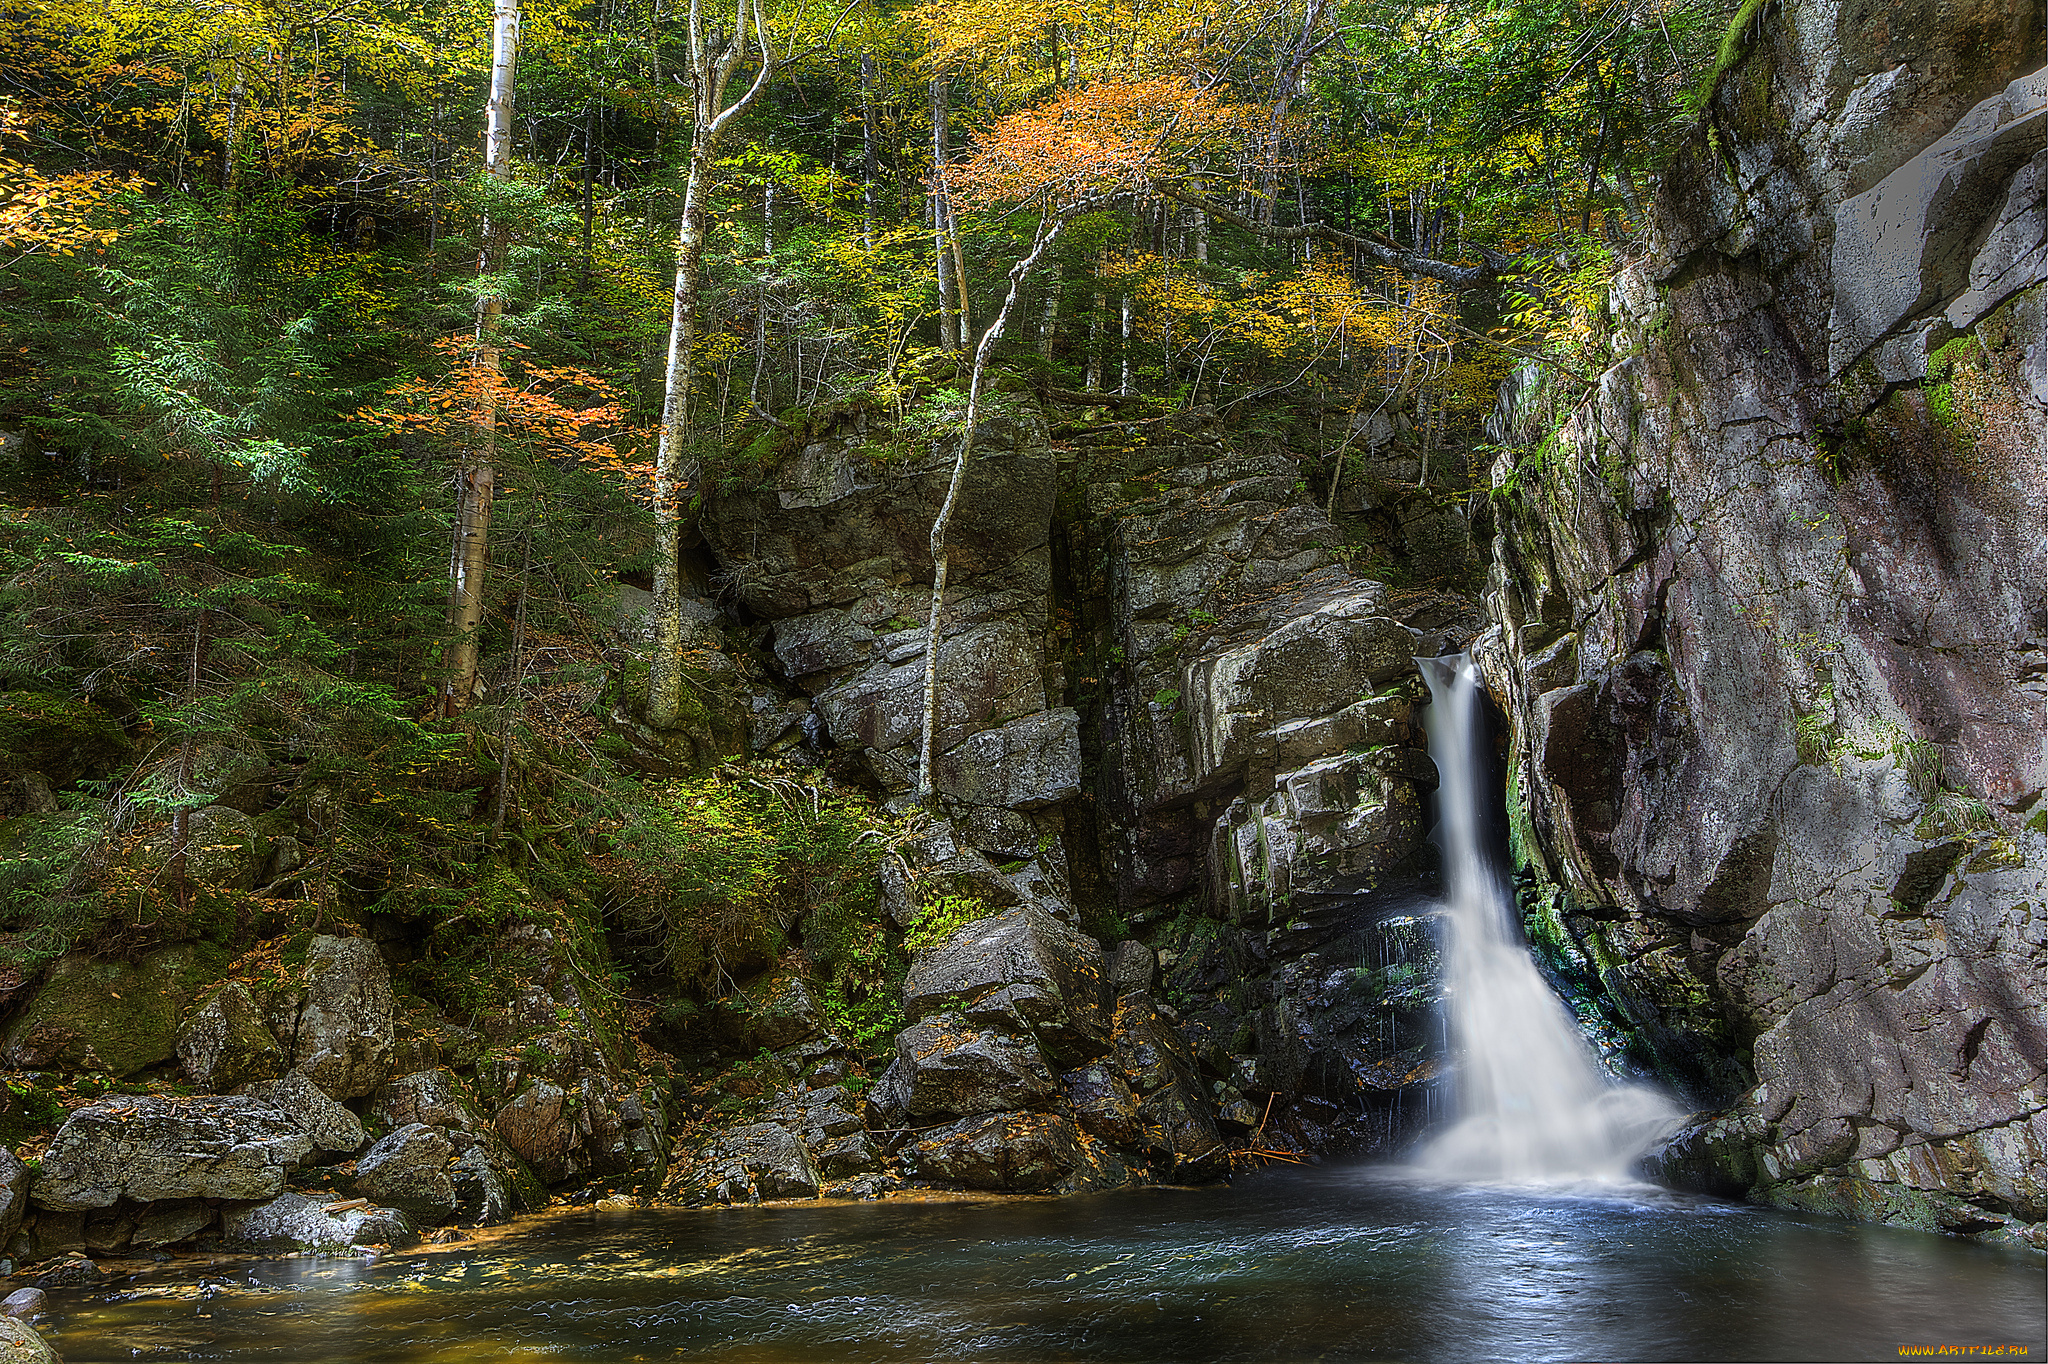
476	481
1082	152
714	57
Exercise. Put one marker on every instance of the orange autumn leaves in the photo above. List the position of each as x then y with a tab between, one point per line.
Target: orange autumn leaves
555	411
1112	137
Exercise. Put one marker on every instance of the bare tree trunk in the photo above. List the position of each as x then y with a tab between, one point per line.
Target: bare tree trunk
1124	381
869	155
951	336
476	483
1099	305
710	73
1049	316
1049	229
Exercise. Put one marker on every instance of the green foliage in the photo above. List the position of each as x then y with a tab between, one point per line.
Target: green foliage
726	866
941	916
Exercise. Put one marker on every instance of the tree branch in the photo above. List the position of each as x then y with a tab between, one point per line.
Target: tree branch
1486	275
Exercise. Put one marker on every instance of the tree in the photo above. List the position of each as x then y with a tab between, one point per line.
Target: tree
476	484
1077	154
713	58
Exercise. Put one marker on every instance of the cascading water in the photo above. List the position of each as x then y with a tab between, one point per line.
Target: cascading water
1532	1103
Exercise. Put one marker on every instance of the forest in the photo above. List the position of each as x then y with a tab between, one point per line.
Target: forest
638	606
354	355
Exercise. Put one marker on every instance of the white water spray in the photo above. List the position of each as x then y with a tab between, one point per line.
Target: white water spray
1532	1104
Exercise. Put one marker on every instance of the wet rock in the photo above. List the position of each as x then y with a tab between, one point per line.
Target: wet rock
146	1148
1014	1152
226	1043
46	1235
337	1027
408	1169
303	1223
114	1017
758	1161
1173	1108
1789	846
864	1187
333	1128
833	1134
946	1065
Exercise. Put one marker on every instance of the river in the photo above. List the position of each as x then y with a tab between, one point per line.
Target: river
1318	1263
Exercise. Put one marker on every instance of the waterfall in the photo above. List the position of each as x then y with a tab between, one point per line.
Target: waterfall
1531	1101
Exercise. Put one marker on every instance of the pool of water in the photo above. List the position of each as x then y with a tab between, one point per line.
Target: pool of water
1329	1263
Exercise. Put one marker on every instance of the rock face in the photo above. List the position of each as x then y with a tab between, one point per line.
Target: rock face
337	1027
1772	628
226	1041
144	1148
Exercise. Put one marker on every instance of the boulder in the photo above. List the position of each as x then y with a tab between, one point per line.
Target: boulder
940	862
1013	1152
337	1027
73	1271
1024	968
833	1134
745	1165
333	1128
146	1148
408	1169
303	1223
433	1097
19	1344
24	1302
225	1043
46	1235
1173	1108
1329	831
781	1012
1105	1105
945	1065
1312	665
115	1017
578	1129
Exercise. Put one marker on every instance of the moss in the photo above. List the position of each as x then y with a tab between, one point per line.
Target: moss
62	737
108	1016
1734	47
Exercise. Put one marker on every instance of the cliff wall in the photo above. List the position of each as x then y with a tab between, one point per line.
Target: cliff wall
1770	626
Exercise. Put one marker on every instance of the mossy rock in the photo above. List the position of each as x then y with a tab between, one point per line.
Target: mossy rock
62	737
114	1017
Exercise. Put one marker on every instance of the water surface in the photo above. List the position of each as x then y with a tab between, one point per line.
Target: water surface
1330	1263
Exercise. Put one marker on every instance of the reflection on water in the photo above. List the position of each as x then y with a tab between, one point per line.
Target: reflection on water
1321	1264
